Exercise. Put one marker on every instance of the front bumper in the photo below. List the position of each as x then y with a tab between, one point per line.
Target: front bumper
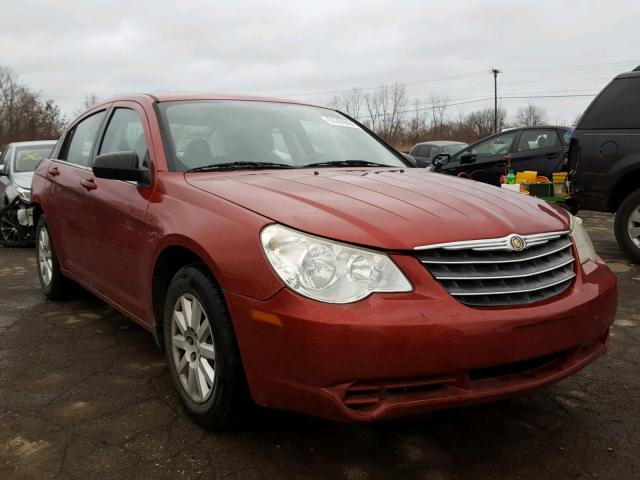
398	354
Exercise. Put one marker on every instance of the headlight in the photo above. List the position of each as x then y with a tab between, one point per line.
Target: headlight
329	271
582	241
24	194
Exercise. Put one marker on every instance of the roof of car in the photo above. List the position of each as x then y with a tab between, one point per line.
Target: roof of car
176	97
633	74
441	143
531	128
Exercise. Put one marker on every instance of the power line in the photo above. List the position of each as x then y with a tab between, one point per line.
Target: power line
463	77
477	100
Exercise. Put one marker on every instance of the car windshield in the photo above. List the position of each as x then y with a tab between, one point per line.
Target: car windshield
240	134
453	149
26	158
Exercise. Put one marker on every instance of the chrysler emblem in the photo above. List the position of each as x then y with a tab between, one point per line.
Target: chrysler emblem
517	243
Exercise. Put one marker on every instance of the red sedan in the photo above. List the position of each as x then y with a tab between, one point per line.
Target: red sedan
281	252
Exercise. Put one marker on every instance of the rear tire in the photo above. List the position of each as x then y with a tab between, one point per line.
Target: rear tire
54	284
627	226
202	351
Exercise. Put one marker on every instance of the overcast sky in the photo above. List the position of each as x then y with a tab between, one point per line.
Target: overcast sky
310	50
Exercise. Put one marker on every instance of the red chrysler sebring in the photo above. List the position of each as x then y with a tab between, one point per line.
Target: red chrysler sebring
281	252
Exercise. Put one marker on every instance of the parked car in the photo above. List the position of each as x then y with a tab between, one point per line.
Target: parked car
604	158
280	249
531	148
425	152
17	162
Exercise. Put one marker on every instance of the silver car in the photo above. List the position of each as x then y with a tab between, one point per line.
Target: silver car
17	163
425	152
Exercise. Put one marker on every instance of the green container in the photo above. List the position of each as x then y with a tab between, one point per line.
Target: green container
541	189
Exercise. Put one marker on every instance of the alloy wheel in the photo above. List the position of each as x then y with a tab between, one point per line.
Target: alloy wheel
8	229
633	225
45	258
193	348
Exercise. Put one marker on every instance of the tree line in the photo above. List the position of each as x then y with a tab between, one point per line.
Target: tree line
26	114
387	111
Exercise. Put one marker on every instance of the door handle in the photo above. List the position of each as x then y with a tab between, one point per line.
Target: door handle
89	184
53	171
552	155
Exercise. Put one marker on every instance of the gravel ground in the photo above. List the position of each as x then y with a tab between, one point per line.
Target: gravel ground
85	394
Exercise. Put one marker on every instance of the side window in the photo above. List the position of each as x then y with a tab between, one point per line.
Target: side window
435	151
618	106
500	145
536	139
423	151
125	133
78	145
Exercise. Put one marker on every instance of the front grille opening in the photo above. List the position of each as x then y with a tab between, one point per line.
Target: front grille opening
492	278
515	368
362	396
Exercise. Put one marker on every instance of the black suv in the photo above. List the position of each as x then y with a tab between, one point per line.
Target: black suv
531	148
604	158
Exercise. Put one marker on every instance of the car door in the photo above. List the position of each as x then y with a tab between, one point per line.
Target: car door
486	160
117	232
422	155
540	150
67	213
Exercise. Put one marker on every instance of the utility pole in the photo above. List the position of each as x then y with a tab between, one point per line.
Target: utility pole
495	72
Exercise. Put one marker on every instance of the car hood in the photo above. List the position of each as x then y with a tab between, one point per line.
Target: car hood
22	179
395	209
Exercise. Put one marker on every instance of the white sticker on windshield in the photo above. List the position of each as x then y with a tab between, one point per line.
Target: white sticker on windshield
339	122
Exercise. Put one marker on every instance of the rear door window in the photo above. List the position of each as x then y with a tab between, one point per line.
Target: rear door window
79	143
618	106
537	139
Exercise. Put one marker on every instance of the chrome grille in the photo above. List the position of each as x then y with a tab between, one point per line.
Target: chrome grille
489	273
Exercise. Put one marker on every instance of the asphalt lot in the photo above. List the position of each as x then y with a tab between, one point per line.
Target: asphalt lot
85	394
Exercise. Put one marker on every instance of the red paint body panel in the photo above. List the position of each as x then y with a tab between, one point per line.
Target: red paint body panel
417	335
109	239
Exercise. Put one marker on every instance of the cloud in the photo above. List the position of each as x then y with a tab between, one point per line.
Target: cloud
72	48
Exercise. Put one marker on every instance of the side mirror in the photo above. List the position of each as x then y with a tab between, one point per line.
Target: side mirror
467	157
3	170
410	158
441	160
121	166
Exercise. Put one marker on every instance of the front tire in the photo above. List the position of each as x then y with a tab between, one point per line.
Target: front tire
53	283
202	351
627	226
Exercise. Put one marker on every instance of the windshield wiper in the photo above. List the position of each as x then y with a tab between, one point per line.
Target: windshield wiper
348	163
238	166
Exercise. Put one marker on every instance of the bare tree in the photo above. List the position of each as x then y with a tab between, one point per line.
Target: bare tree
385	107
89	101
531	116
350	102
439	103
24	114
481	122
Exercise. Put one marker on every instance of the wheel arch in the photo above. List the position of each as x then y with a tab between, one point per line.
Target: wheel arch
626	185
172	256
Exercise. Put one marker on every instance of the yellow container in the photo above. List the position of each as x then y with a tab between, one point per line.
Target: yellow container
560	184
528	176
560	177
